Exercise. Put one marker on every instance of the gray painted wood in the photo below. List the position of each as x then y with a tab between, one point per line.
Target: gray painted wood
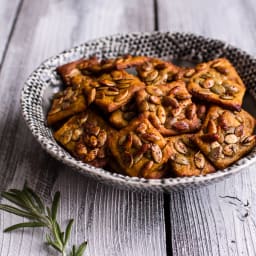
8	13
213	220
114	222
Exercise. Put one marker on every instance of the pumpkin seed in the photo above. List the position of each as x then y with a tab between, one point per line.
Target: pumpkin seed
218	89
227	97
80	149
222	69
76	134
100	95
156	153
230	88
183	96
189	73
92	154
208	83
117	75
101	153
216	153
127	160
122	95
231	139
155	121
199	160
107	82
191	111
141	128
147	166
66	137
205	91
161	114
176	111
147	66
124	86
122	140
151	76
180	159
136	142
144	106
215	144
55	110
102	138
239	118
139	154
181	126
170	101
239	130
180	147
111	93
94	84
246	140
103	88
211	127
155	100
230	150
93	130
150	136
128	142
230	130
153	90
83	119
93	141
91	96
152	107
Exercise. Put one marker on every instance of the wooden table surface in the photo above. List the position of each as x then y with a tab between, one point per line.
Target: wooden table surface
216	220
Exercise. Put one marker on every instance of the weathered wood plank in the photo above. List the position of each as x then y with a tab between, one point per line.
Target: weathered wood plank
212	220
8	12
114	222
232	20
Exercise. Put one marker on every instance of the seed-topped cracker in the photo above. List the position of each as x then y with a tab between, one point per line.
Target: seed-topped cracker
65	104
156	71
169	108
85	137
115	89
69	70
186	159
216	81
140	149
226	136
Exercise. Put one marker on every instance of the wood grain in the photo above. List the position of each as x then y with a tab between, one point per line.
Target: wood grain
213	220
114	222
8	12
232	20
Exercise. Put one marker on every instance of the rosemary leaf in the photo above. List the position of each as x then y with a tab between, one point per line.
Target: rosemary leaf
68	231
55	205
12	198
81	249
25	225
37	199
16	211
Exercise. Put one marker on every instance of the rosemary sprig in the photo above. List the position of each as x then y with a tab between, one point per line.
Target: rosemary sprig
30	206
